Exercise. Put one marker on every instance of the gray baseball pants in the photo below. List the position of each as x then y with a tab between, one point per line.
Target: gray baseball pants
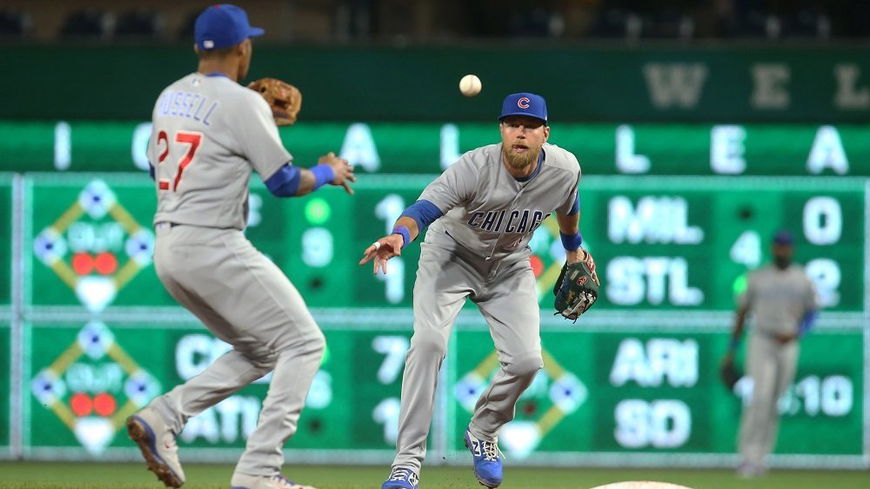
506	295
771	366
246	301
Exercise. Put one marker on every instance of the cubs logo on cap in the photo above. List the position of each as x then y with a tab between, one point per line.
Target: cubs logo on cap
528	104
222	26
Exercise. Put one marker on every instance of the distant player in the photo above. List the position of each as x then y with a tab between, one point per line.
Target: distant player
209	134
783	302
483	210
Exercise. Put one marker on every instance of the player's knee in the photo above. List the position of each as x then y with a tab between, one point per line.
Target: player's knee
525	365
429	343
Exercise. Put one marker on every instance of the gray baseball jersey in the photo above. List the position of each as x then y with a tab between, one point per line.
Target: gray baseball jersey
209	133
477	250
491	213
778	298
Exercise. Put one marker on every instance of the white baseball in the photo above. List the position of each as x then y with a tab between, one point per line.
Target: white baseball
470	85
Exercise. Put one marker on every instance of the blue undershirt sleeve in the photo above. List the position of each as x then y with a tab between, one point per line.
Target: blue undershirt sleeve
807	321
423	212
285	181
576	207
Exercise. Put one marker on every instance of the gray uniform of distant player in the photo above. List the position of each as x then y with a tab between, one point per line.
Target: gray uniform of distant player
206	263
478	249
778	299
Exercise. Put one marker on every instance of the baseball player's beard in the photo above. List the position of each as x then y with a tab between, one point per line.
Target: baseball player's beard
518	161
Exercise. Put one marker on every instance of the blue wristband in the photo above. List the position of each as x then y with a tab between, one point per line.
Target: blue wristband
323	174
406	234
735	342
571	242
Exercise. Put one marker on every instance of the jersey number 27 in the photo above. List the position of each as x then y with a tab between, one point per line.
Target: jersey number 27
192	139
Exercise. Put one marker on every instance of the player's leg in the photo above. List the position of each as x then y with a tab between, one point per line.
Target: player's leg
255	308
510	306
271	324
186	268
761	366
786	363
225	376
512	312
443	281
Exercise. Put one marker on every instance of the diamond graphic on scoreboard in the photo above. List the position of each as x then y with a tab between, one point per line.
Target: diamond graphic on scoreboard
557	391
49	246
97	199
96	247
93	386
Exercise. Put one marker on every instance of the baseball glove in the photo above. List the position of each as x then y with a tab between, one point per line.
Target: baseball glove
576	288
729	374
284	99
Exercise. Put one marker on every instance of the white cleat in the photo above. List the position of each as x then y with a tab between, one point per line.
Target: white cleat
278	481
157	443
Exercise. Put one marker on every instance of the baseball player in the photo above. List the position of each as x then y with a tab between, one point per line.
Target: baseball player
209	133
783	302
483	211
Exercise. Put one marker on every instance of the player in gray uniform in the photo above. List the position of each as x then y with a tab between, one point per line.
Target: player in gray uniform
783	302
483	210
209	134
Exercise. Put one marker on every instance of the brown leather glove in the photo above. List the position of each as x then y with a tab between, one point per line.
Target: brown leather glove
284	99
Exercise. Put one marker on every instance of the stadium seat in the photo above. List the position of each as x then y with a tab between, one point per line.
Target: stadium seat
139	23
615	23
87	23
15	24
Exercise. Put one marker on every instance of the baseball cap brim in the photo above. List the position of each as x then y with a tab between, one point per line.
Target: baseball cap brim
524	114
255	31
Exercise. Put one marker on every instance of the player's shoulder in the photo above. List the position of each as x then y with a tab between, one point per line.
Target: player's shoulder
235	93
480	157
561	159
483	153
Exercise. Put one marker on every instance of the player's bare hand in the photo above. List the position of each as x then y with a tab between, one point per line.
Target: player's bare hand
382	250
342	170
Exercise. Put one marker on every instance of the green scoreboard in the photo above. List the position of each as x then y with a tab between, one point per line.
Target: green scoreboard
676	217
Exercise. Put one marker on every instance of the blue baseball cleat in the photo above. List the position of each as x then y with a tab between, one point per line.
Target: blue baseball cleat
402	478
487	463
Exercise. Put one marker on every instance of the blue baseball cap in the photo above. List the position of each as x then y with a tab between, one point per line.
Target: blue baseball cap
783	237
524	104
222	26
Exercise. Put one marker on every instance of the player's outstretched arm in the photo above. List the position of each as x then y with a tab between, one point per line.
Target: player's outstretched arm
391	245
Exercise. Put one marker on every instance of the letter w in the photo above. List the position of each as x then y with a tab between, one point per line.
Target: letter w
675	83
